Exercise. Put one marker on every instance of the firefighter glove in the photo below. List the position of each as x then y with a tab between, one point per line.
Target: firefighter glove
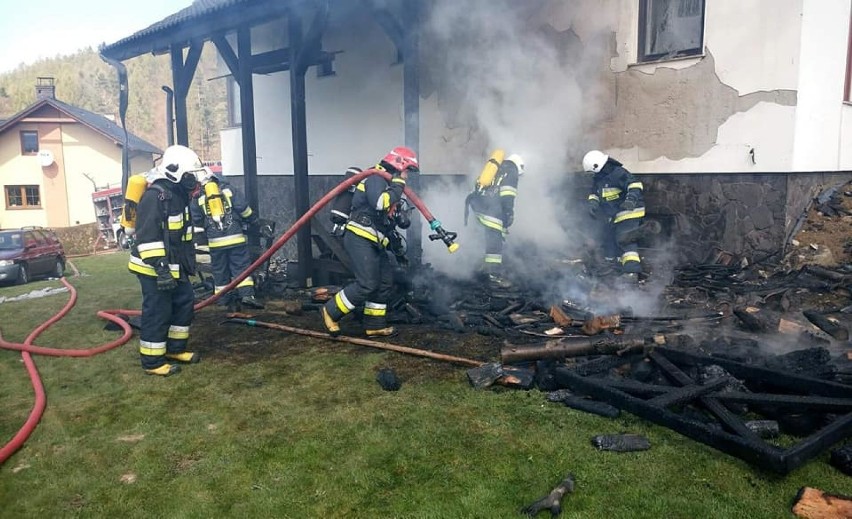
594	205
508	219
165	281
628	205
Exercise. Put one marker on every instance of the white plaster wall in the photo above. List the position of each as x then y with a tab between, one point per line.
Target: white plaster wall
353	118
767	129
87	153
846	138
755	43
825	33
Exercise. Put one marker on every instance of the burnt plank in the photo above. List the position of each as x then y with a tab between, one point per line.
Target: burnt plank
727	418
687	393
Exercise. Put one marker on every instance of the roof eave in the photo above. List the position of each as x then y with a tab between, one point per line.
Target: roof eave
199	28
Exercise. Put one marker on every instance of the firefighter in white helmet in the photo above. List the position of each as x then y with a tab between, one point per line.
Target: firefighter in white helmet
616	198
222	213
493	203
163	258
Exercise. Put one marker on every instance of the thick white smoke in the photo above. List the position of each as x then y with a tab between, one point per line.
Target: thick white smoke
516	83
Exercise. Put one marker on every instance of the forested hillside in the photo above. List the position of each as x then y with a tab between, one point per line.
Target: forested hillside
84	80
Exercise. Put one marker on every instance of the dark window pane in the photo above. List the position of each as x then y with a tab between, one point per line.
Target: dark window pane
672	28
33	197
29	142
13	196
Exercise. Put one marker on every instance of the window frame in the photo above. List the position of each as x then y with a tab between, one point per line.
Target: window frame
22	192
23	148
641	57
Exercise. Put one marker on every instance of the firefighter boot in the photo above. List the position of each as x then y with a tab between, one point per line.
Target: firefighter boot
496	281
628	280
185	357
388	331
330	324
164	371
251	302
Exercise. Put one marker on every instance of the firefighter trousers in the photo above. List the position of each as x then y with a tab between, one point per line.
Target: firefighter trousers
228	263
166	316
373	283
494	238
626	253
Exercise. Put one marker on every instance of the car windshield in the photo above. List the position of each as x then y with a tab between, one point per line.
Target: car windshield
10	241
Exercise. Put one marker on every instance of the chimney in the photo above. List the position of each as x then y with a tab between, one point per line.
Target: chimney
45	89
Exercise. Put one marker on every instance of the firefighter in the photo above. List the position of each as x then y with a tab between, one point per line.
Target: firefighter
163	258
616	199
372	224
222	213
493	204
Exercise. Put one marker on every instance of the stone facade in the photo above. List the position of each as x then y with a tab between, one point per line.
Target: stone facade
750	214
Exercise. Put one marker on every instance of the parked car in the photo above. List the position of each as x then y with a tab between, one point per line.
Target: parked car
29	252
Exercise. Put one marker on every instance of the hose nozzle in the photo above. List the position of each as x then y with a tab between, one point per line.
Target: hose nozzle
448	237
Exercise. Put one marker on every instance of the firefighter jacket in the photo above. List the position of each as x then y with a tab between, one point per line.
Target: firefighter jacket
373	206
611	187
494	205
163	232
237	214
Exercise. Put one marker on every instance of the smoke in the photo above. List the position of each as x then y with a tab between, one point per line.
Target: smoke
517	83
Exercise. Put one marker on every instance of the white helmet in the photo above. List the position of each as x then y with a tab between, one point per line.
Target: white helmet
178	160
594	161
517	161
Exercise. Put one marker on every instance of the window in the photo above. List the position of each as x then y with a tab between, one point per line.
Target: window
22	197
670	29
29	142
235	117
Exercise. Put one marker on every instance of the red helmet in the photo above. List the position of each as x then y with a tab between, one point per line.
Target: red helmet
402	159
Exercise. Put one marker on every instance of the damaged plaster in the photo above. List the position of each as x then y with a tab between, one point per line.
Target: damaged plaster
676	113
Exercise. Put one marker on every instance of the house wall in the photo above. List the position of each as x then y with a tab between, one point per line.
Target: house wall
558	78
18	169
87	152
65	190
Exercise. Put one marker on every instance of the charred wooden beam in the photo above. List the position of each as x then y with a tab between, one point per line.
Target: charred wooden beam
751	321
575	348
727	418
809	403
754	451
827	325
824	273
687	393
789	381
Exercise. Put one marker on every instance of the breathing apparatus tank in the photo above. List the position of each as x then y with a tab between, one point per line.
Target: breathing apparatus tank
486	177
342	205
136	186
214	201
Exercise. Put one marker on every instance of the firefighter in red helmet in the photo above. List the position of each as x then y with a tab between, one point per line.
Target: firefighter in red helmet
372	224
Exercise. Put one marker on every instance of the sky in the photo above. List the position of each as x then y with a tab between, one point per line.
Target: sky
61	27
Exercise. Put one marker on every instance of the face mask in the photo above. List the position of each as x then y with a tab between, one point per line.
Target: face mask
188	181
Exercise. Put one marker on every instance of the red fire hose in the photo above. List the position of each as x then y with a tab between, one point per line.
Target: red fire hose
27	347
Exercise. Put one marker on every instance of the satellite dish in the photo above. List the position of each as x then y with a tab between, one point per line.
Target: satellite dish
45	158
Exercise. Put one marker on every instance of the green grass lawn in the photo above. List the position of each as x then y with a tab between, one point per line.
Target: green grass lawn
270	425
